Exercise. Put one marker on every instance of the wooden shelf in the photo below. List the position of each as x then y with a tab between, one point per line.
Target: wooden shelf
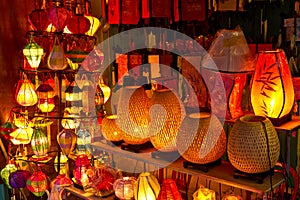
222	173
85	195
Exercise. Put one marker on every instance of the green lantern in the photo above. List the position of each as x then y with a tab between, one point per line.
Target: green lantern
6	171
33	53
39	143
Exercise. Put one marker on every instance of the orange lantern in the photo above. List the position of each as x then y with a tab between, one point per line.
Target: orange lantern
94	21
26	95
124	187
272	92
45	95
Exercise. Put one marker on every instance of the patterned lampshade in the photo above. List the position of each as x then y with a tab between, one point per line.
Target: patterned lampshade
146	187
37	183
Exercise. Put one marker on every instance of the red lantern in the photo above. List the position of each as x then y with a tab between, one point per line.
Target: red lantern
82	170
37	183
169	190
59	17
39	20
78	24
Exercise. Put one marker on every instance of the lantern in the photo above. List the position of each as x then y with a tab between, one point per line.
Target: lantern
272	91
63	161
70	121
169	190
21	136
146	187
78	24
105	89
37	183
18	178
57	59
61	180
6	129
124	187
74	98
39	143
133	115
6	171
83	171
59	17
84	140
110	129
204	194
33	53
94	21
26	95
45	95
38	19
67	141
165	130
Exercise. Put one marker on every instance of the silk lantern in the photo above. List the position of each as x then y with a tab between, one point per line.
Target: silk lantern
82	170
39	143
78	24
204	194
38	19
59	17
74	98
146	187
124	187
6	171
94	21
45	95
169	190
37	183
272	91
33	53
18	178
57	59
21	136
67	141
25	94
83	142
63	162
70	121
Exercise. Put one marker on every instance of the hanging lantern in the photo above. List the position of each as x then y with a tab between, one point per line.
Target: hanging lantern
26	95
37	183
59	17
45	95
83	143
124	187
70	121
57	59
63	161
18	178
146	187
39	143
67	141
78	24
38	19
133	115
110	129
164	139
94	21
21	136
272	92
6	129
82	171
204	194
105	89
6	171
73	98
88	104
33	53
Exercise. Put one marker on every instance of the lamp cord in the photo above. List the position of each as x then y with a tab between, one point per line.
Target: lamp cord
269	158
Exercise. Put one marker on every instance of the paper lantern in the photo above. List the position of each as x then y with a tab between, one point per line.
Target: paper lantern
169	190
39	142
94	21
251	136
201	138
74	98
272	91
164	130
33	53
146	187
6	129
133	115
204	194
57	59
66	139
110	129
45	95
62	180
105	89
83	142
37	183
18	178
21	136
124	187
25	93
6	171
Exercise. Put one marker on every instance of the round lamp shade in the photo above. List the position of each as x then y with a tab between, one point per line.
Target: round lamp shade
78	24
39	142
110	129
37	183
124	187
165	130
17	179
201	138
146	187
67	141
249	137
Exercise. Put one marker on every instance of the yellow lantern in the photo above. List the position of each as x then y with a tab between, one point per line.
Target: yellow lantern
204	194
26	95
94	21
45	95
146	187
105	89
63	162
272	91
33	53
21	136
70	121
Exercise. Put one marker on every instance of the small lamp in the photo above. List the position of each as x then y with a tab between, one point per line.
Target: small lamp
21	136
45	95
67	141
110	129
124	187
70	121
57	59
146	187
94	21
25	94
204	194
63	161
169	190
272	91
39	143
81	170
33	53
37	183
83	142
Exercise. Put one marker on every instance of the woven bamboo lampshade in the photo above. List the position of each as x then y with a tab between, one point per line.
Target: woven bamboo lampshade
133	115
201	138
110	129
165	130
249	137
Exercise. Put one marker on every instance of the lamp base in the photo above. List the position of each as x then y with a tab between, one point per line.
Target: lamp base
282	120
136	148
202	167
259	177
168	156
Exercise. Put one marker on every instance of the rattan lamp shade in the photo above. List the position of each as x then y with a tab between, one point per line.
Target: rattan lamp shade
201	138
133	113
164	138
247	144
110	129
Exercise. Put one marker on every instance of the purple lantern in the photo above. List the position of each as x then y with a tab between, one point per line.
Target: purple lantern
18	178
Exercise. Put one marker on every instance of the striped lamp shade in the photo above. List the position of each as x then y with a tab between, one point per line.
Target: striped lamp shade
66	140
39	142
37	183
